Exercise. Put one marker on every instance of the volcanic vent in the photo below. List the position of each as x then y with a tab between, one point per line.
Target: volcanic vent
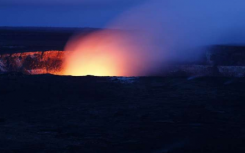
41	52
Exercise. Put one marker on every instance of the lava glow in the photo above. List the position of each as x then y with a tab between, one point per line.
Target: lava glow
104	53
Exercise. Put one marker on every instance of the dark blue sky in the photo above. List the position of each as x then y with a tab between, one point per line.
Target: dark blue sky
62	13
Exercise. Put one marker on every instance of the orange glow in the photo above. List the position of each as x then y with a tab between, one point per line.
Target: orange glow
104	53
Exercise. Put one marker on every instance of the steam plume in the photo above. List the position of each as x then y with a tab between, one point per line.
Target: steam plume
167	31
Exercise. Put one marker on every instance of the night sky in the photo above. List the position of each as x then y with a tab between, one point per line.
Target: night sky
62	13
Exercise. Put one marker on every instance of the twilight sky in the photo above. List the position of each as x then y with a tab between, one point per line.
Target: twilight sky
62	13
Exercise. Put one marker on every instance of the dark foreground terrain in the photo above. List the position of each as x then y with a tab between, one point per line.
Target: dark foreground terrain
46	113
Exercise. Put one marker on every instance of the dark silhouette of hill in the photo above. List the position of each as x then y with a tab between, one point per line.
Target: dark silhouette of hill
25	39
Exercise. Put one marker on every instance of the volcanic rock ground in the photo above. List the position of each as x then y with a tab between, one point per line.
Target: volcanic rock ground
46	113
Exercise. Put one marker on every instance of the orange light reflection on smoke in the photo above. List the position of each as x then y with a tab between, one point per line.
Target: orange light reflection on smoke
104	53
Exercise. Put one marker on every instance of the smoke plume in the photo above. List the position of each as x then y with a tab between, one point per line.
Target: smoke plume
160	32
